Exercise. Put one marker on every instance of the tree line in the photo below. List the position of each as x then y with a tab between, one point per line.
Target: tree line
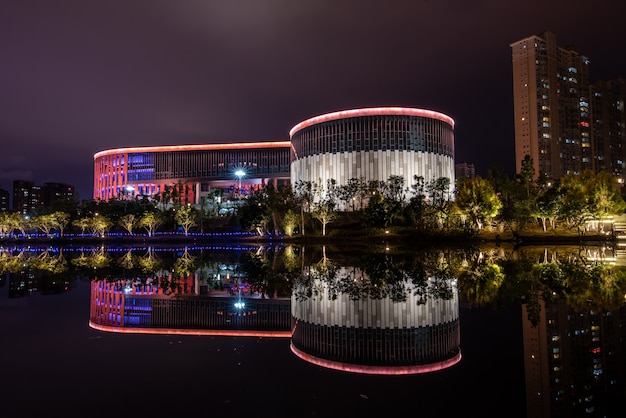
577	202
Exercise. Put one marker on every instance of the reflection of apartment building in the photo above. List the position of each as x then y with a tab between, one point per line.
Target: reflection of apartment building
562	121
574	361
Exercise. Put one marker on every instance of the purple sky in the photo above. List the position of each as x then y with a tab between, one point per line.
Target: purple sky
78	77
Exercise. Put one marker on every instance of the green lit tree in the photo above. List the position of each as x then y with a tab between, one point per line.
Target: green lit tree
186	217
150	221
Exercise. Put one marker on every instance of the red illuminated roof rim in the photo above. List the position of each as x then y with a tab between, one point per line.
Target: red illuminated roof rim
196	147
372	111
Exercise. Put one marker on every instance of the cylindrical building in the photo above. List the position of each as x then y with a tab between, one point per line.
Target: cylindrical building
373	144
342	324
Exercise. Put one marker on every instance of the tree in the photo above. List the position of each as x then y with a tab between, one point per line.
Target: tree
575	208
604	196
83	224
546	207
439	192
347	193
100	225
186	217
128	222
325	203
476	199
254	213
45	223
279	200
151	221
303	193
291	221
416	208
61	220
18	221
526	176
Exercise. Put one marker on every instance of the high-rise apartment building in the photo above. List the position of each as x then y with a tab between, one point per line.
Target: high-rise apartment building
28	197
609	126
54	192
551	106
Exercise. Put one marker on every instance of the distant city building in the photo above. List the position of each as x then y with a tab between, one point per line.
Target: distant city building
55	192
194	169
562	121
373	144
28	196
4	200
464	170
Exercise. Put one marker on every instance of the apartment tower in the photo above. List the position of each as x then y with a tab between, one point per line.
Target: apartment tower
551	106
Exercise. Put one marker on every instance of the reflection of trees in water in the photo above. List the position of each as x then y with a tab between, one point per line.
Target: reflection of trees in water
480	276
585	276
54	263
379	276
44	261
269	272
97	258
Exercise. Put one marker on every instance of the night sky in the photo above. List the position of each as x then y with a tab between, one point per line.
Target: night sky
78	77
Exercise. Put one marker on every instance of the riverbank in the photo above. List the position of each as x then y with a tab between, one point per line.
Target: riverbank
356	238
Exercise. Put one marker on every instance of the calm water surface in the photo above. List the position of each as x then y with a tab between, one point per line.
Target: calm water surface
155	332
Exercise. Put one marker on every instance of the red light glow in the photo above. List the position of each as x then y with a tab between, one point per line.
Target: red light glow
203	147
373	111
208	332
381	370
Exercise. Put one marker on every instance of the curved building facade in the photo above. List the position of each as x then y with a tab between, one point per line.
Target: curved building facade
373	144
374	335
129	172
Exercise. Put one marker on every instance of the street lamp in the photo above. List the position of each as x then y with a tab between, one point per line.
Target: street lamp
240	173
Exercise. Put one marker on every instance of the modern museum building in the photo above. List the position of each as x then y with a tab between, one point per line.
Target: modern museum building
367	144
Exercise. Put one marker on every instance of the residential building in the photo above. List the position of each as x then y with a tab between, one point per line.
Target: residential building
551	106
464	170
563	121
29	197
608	132
26	196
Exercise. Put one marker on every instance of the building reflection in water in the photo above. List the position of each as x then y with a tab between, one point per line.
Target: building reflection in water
376	335
402	328
147	306
370	314
574	361
574	342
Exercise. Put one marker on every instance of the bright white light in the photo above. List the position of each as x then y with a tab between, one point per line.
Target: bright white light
240	305
240	173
